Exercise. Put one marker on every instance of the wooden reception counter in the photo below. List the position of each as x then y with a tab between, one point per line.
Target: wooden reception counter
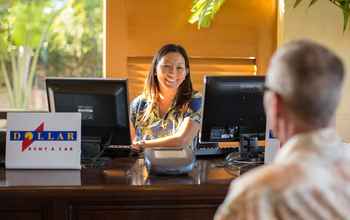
121	190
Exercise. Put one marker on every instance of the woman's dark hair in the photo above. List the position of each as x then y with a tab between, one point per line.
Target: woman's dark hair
151	87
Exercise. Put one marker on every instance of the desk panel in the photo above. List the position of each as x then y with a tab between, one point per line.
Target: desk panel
121	190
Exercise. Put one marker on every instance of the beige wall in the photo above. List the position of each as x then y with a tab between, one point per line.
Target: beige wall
322	23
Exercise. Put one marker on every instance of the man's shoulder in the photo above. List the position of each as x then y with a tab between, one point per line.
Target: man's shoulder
246	193
275	177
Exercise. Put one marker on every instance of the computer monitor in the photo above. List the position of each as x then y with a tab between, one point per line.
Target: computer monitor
103	104
232	108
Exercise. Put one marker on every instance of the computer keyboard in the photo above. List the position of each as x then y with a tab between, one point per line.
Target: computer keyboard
117	151
119	146
211	151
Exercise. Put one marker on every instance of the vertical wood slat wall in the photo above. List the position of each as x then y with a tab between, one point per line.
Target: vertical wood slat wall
240	41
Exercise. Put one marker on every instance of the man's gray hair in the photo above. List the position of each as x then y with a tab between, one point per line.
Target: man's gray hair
309	79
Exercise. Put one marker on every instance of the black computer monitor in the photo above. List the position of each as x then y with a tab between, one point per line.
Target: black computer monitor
232	108
103	104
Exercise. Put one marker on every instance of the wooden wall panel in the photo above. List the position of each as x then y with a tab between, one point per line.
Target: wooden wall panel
241	39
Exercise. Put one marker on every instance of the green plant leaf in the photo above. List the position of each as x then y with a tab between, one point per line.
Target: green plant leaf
5	4
312	2
296	3
197	4
345	5
346	19
28	33
203	12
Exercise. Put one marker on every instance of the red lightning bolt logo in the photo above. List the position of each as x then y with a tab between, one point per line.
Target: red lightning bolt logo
28	139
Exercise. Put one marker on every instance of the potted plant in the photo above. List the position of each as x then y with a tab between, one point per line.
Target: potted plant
24	28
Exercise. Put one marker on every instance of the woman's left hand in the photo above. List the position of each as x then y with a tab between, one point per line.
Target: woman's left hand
137	146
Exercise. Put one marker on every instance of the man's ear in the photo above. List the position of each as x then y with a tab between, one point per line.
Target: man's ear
282	118
272	104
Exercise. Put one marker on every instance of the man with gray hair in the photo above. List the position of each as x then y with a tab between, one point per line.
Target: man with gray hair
310	176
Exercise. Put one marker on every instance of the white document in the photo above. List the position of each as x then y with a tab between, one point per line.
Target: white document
272	146
43	141
271	150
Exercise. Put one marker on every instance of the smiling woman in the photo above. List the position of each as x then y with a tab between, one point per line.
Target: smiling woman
167	113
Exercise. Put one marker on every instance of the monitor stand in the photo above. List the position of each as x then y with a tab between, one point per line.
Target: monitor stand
90	147
248	154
